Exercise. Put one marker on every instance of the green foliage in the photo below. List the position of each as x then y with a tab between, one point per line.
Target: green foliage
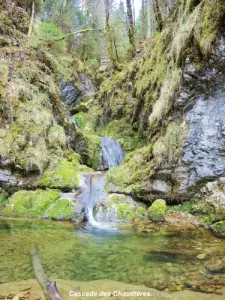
50	33
157	211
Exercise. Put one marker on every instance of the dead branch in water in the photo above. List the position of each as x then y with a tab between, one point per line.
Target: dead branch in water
49	287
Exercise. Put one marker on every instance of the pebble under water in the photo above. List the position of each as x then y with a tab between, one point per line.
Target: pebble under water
86	253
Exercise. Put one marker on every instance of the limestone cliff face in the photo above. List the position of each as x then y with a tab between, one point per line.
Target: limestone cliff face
177	103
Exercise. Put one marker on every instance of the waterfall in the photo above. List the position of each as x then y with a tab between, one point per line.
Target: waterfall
92	187
74	121
91	190
112	153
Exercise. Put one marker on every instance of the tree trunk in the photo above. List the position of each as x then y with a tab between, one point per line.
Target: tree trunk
109	36
143	18
131	28
31	20
134	17
158	15
48	286
149	18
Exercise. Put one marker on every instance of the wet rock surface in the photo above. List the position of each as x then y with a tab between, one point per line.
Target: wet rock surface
72	92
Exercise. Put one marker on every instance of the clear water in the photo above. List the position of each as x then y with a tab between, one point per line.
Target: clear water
87	253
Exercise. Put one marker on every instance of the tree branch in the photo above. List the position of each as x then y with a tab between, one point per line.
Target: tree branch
77	32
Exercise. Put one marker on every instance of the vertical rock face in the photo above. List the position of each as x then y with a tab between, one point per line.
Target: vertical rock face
202	97
71	93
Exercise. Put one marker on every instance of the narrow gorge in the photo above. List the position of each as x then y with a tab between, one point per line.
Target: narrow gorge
112	149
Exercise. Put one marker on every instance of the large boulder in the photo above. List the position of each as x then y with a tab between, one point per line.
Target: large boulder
49	204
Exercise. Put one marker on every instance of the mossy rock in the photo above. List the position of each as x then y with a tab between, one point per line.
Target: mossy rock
119	208
3	197
131	175
157	211
81	107
61	209
92	144
30	203
65	176
121	131
219	228
85	121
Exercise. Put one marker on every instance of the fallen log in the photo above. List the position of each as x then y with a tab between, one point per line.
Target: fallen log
49	287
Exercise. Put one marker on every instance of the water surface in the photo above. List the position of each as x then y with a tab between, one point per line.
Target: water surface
86	253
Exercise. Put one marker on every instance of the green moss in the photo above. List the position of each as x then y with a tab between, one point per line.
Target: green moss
92	144
61	209
125	212
85	121
4	71
56	136
219	228
210	17
3	197
157	211
31	203
130	177
115	198
168	148
66	175
186	207
206	212
121	131
140	212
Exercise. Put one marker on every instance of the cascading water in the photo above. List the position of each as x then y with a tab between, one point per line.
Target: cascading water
112	153
74	121
92	188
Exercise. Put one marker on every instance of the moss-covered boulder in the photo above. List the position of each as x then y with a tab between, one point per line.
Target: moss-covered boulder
130	177
219	228
92	144
30	203
157	211
49	204
65	175
119	208
209	203
85	121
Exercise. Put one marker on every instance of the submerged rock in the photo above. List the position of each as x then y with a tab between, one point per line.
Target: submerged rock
119	208
157	211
